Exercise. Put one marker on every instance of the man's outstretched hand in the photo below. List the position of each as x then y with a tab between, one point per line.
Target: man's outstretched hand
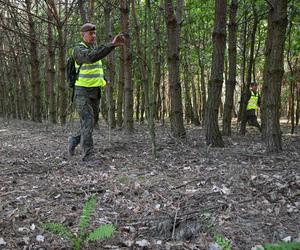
118	40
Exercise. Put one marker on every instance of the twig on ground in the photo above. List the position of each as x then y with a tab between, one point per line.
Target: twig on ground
175	219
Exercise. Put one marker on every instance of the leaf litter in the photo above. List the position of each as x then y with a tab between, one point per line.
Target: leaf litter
177	201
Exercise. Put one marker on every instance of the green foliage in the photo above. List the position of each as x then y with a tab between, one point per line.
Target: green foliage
281	246
58	229
88	209
104	231
223	242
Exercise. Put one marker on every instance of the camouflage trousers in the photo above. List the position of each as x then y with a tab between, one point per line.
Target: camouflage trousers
252	119
88	109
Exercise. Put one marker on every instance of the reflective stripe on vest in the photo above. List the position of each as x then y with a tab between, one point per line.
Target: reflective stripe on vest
90	74
253	101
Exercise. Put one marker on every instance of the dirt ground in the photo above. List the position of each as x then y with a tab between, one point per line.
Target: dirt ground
179	200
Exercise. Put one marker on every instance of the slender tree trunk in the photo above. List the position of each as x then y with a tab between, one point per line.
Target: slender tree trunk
213	135
173	32
157	62
110	68
120	96
14	92
91	8
273	72
62	78
141	61
163	98
203	94
82	11
146	83
249	72
2	83
51	72
23	94
35	68
292	76
138	100
297	105
230	84
243	45
188	102
126	53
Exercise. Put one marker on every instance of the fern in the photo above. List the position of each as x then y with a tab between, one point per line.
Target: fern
104	231
88	209
58	229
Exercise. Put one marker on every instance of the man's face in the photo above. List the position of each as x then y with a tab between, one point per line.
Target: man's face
254	87
89	36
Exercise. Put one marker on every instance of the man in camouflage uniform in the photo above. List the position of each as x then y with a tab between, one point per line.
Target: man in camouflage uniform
87	86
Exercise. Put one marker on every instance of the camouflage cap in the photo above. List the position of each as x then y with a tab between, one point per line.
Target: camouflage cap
87	27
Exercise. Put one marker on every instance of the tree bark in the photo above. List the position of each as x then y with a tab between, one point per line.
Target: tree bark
249	72
213	135
273	72
82	11
230	84
62	77
243	45
157	62
126	54
188	102
36	108
110	68
51	72
120	96
173	34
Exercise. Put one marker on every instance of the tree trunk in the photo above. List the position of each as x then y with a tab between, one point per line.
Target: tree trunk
157	62
110	68
126	54
249	72
82	11
273	72
141	62
203	94
120	96
243	45
195	107
230	84
51	71
173	34
188	102
292	76
213	135
138	100
297	105
36	114
91	8
62	77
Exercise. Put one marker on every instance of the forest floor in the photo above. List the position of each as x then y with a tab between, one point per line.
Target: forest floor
179	200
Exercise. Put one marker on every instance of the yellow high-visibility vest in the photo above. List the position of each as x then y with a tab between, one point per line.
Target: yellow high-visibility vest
253	101
90	74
